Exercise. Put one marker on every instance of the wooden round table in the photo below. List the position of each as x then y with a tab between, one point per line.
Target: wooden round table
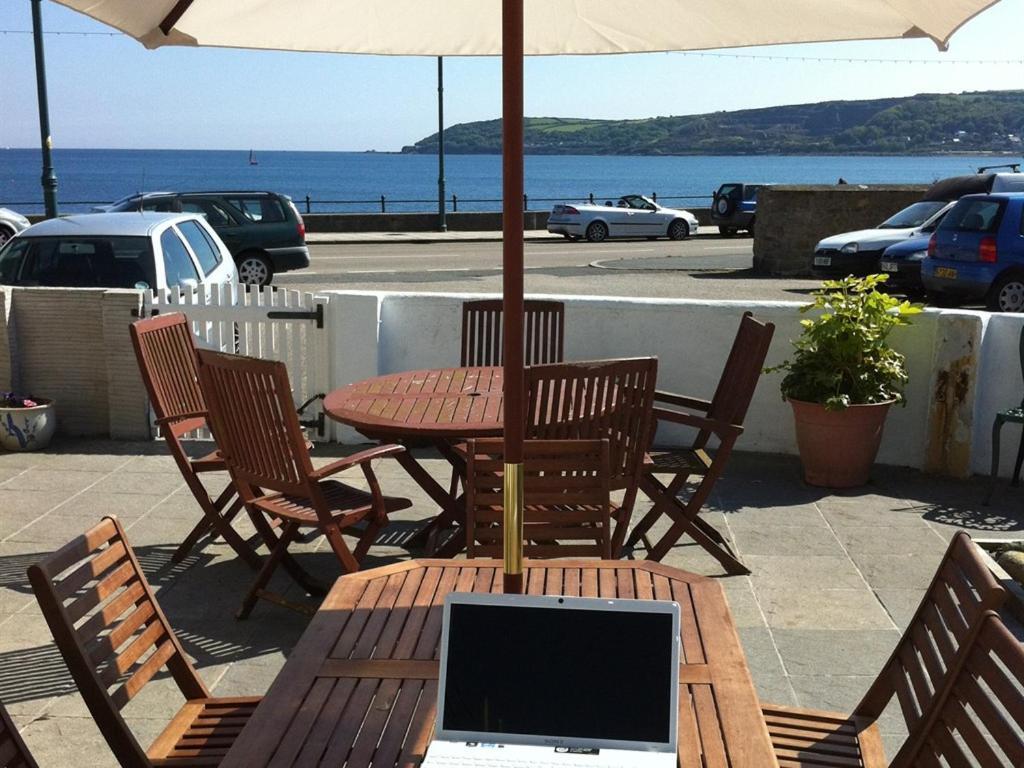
433	407
435	404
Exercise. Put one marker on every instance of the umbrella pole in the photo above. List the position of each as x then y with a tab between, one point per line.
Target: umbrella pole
512	286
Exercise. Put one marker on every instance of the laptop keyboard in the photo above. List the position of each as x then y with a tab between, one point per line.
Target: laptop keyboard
568	761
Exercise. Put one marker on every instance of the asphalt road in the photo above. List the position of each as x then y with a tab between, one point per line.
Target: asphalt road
704	267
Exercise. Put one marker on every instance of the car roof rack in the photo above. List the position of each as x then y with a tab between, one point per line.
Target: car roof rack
1014	167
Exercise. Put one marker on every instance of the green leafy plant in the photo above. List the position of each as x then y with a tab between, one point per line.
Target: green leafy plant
843	357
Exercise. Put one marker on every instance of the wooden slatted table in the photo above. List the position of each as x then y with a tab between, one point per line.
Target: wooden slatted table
360	688
432	407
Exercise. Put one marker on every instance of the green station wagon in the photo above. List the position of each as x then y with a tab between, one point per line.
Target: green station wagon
263	230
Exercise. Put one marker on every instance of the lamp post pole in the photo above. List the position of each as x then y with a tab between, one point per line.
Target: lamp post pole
442	226
49	179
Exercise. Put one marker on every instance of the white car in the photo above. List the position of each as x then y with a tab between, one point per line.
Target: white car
118	250
632	216
11	223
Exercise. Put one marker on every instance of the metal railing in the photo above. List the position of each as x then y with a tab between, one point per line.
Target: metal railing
380	204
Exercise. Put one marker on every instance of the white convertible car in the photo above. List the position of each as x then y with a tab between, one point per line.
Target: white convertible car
632	216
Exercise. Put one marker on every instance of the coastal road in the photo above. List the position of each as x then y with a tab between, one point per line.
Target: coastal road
707	267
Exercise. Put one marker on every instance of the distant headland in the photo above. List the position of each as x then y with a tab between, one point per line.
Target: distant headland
928	123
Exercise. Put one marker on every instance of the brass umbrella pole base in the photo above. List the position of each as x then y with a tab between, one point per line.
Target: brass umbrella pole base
513	541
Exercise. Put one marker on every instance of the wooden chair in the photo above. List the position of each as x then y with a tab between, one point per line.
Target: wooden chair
565	496
1010	416
166	353
978	719
600	400
543	339
114	638
961	591
722	418
13	752
255	424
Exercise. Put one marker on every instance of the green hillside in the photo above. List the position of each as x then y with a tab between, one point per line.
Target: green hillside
984	121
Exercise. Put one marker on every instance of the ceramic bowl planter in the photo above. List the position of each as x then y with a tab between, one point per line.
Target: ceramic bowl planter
27	428
838	448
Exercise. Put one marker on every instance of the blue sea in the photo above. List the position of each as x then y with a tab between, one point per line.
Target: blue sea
355	181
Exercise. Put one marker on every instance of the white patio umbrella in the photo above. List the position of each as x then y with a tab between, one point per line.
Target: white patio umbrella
548	27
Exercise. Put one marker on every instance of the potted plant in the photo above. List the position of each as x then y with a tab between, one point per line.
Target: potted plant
26	423
843	378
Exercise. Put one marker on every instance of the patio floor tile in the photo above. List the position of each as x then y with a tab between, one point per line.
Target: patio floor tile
802	608
811	571
898	571
900	604
891	540
834	651
785	540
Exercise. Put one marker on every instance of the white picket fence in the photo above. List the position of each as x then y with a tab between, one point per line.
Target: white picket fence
272	323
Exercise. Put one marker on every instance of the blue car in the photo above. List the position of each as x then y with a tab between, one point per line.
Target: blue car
978	253
902	262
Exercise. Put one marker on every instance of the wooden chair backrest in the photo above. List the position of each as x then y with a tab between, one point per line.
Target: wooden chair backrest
254	421
601	400
962	589
13	752
565	492
742	371
979	719
166	352
109	629
543	332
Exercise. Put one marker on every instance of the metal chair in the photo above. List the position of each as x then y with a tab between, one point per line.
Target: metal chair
923	663
255	423
565	496
599	400
115	638
1012	416
166	352
13	752
722	418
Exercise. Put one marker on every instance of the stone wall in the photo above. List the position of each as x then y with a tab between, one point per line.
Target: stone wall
72	345
792	219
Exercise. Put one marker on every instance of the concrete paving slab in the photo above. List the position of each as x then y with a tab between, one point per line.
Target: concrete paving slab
834	651
785	540
821	571
891	540
801	608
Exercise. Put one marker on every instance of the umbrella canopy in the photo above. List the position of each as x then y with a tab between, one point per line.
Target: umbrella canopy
473	27
514	28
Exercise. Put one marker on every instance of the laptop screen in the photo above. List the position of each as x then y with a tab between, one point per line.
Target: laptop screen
586	674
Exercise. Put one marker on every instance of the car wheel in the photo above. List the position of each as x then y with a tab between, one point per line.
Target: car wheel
679	229
597	232
727	231
1007	293
6	233
255	269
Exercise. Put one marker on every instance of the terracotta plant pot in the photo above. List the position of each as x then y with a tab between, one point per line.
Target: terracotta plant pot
838	448
28	429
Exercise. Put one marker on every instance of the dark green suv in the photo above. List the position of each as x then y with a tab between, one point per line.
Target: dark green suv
263	230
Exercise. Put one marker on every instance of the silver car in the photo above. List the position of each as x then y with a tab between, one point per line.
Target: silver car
118	250
11	223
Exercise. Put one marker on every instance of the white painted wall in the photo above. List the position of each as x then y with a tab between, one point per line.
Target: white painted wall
691	340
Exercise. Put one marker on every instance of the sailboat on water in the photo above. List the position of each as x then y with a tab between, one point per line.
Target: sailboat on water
252	158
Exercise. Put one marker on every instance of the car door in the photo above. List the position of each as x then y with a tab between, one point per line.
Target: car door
228	225
180	269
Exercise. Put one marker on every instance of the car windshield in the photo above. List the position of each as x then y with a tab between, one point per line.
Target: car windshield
974	216
913	215
78	262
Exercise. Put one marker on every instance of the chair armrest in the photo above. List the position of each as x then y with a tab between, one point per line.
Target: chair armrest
356	459
721	428
696	403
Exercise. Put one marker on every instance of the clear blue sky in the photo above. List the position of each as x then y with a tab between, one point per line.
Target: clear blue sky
111	92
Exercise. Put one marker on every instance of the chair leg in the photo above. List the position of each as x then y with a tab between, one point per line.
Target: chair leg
199	530
266	532
997	426
348	562
288	535
366	540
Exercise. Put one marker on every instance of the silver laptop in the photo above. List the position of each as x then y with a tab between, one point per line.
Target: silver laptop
559	681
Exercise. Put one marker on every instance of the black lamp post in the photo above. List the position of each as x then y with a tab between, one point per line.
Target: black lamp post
442	226
49	178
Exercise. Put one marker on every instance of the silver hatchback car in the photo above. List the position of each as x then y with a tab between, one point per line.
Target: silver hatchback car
118	250
11	223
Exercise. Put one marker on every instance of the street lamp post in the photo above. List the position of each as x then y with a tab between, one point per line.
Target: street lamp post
442	226
49	178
